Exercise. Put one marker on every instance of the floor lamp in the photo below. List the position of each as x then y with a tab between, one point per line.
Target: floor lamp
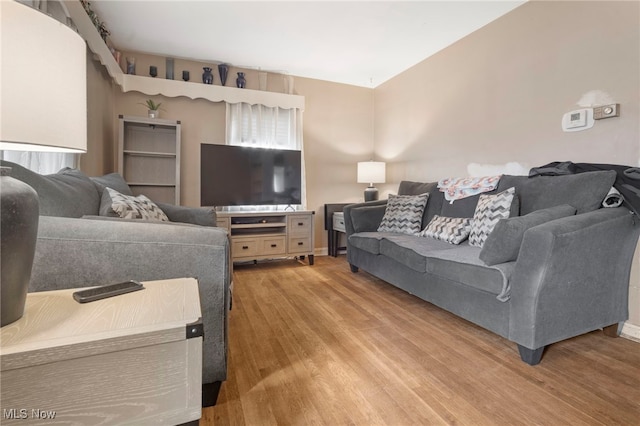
43	64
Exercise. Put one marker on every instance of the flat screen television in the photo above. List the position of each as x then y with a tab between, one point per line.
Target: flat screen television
241	176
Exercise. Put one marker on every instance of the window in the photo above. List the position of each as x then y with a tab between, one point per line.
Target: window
260	126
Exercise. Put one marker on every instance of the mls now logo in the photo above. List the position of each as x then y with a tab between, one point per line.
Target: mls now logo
23	413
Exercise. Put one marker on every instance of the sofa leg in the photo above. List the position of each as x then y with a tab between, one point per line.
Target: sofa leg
530	356
611	330
354	268
210	392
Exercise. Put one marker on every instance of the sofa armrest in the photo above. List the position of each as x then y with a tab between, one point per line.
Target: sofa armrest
363	217
572	276
203	216
73	253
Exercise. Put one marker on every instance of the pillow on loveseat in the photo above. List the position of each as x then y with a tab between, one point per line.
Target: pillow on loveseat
503	244
115	204
404	214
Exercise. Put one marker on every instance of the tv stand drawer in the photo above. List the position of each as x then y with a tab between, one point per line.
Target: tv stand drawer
273	245
244	247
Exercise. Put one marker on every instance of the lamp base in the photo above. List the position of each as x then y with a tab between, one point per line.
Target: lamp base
19	229
371	194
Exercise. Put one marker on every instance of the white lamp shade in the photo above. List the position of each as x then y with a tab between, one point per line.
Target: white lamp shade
371	172
43	82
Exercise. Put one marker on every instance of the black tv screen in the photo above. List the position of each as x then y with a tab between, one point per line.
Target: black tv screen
240	176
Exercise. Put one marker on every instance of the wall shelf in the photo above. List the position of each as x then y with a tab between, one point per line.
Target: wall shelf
171	88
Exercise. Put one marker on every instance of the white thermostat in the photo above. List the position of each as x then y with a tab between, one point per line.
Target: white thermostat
580	119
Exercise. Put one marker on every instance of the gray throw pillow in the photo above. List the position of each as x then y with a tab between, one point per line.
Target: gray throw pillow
452	230
490	209
130	207
404	214
503	244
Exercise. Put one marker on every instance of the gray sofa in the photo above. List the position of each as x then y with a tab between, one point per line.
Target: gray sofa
76	247
565	276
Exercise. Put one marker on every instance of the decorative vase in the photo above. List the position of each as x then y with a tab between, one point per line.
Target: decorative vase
19	228
131	65
223	70
153	71
154	113
241	81
185	75
207	77
169	68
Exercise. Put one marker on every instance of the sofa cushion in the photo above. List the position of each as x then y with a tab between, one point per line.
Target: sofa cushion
368	241
68	193
367	217
434	203
404	214
490	209
452	230
503	244
464	266
113	181
411	251
130	207
584	191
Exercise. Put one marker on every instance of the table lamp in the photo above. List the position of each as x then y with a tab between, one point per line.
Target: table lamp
43	107
371	172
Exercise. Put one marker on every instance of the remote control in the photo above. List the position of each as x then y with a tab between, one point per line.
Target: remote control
97	293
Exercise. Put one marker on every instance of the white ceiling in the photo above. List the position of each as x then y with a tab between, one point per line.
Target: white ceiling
363	43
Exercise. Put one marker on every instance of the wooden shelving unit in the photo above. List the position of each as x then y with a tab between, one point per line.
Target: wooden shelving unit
149	157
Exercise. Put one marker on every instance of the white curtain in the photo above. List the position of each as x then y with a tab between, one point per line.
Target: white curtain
41	162
259	126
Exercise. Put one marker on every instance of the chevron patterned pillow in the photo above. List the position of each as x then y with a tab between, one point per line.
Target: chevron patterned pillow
130	207
490	209
404	214
452	230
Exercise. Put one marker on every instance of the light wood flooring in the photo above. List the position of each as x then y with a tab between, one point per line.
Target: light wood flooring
319	345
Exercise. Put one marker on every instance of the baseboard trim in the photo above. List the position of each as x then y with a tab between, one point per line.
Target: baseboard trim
631	331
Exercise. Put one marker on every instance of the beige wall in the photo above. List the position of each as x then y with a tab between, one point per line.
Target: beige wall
338	131
499	94
99	158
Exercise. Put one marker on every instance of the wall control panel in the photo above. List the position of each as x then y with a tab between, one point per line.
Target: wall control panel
581	119
606	111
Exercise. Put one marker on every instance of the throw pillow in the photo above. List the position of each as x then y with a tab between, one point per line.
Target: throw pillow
490	209
404	214
453	230
130	207
503	244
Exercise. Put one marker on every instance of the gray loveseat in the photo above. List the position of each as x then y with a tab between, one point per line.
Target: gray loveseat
76	247
558	278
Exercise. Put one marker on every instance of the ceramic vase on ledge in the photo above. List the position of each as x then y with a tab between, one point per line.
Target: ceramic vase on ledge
207	77
223	70
241	82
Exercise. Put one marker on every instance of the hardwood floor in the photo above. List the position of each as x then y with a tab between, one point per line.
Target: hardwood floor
319	345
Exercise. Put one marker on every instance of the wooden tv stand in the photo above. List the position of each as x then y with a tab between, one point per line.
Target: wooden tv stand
269	235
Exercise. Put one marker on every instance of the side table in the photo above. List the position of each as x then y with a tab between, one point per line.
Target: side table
333	235
134	358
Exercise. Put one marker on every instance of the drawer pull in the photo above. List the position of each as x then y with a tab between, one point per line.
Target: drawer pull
300	224
245	247
300	243
274	245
